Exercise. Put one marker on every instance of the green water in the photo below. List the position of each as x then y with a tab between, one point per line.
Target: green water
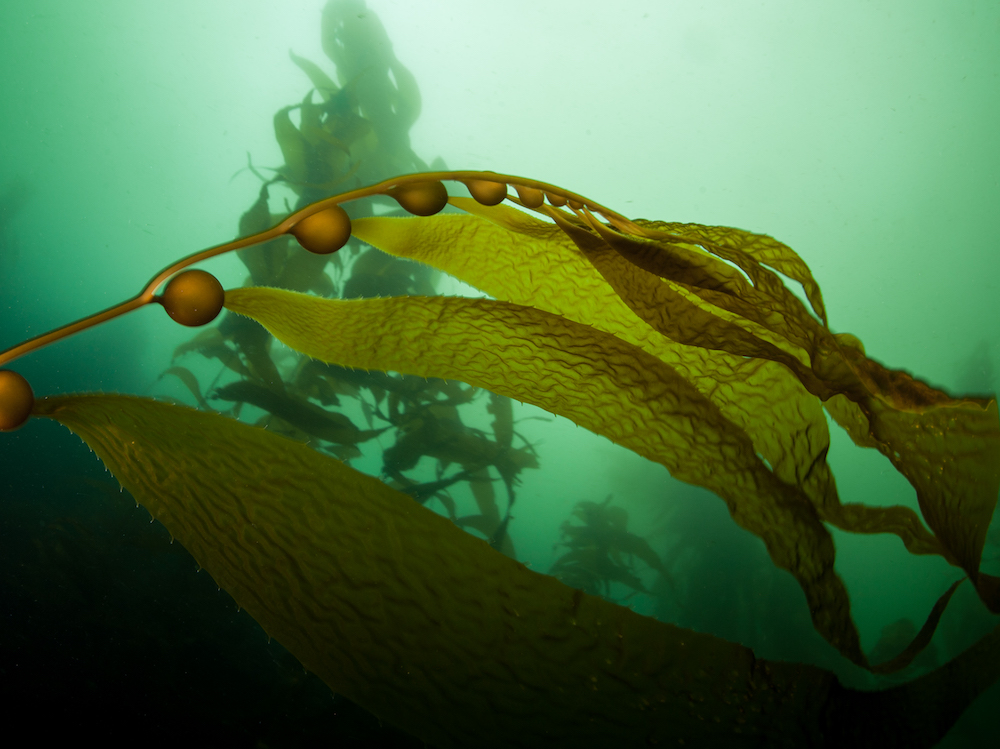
861	134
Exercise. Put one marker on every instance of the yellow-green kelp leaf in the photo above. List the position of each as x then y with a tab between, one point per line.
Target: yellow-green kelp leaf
752	349
433	631
592	378
516	257
948	448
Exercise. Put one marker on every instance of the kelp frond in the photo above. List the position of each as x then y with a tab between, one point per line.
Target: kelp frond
639	331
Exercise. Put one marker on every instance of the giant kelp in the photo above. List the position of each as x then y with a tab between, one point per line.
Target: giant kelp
351	129
682	342
620	376
706	413
602	551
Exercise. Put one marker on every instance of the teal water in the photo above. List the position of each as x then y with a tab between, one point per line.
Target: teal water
862	135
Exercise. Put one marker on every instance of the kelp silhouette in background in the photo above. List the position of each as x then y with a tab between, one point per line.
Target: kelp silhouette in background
894	639
681	342
602	551
356	133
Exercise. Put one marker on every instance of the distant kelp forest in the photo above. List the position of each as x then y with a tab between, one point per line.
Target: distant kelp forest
345	136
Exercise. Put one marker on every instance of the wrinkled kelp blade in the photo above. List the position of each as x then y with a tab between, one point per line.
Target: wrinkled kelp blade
800	459
435	632
953	462
948	448
593	378
518	258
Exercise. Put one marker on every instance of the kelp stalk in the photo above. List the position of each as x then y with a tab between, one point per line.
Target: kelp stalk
318	234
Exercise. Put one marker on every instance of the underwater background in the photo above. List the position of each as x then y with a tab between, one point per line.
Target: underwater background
862	135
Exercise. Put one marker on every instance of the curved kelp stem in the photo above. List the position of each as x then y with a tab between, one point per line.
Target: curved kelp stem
430	629
421	194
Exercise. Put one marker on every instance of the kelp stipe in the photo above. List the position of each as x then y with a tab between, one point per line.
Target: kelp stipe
641	331
321	228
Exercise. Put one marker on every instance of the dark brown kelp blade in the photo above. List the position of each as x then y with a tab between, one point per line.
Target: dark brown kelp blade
911	651
311	419
433	631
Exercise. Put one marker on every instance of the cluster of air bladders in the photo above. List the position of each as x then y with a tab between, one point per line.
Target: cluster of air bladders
195	297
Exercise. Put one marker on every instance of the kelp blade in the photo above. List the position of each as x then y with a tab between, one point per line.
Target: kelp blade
777	365
518	258
433	631
594	379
